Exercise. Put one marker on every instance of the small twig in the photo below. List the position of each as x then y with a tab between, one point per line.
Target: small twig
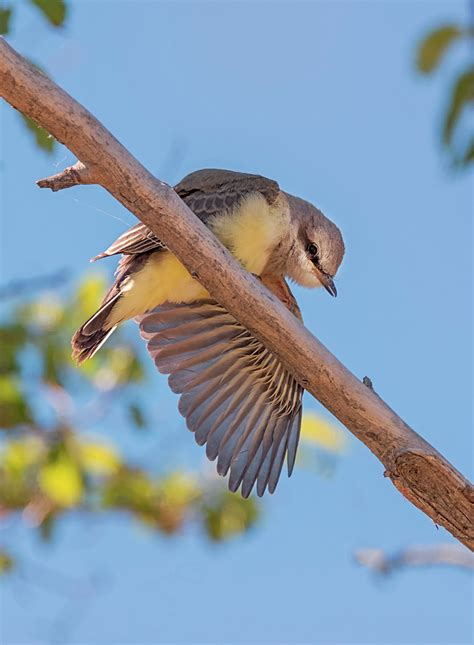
443	554
74	175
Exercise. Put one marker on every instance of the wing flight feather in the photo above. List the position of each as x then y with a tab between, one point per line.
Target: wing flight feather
236	396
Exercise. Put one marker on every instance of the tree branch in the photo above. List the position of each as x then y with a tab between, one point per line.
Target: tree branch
419	472
382	563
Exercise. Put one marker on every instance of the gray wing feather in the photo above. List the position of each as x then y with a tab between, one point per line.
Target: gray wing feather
138	239
236	396
207	193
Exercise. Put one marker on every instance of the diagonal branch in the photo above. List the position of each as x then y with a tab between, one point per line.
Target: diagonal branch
419	472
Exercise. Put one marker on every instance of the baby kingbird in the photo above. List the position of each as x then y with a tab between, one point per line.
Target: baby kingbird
236	395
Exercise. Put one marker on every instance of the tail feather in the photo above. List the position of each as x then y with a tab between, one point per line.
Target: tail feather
95	331
84	347
89	338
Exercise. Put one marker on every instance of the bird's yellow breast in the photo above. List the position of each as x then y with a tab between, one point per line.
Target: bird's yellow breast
250	234
252	231
162	279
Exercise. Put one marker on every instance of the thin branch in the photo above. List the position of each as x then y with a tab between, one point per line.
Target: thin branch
419	472
71	176
452	555
20	288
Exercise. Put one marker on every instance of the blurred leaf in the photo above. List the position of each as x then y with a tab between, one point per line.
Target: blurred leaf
14	409
43	139
46	526
161	505
229	516
98	458
462	95
18	455
124	364
89	294
434	46
60	479
46	313
12	339
177	493
6	563
45	320
18	459
468	156
317	430
5	15
131	489
54	360
15	492
137	416
53	10
47	469
179	489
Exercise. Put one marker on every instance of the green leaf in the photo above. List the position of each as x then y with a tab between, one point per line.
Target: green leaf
131	489
6	563
137	416
53	10
462	94
14	408
20	455
89	295
464	157
176	495
5	15
12	340
99	458
434	46
55	360
230	516
43	139
179	489
60	479
468	156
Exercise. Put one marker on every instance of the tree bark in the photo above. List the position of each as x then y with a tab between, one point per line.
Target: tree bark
419	472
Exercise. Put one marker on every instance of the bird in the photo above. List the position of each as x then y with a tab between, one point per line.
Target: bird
236	395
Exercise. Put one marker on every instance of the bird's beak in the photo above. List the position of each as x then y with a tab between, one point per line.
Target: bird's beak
328	284
326	281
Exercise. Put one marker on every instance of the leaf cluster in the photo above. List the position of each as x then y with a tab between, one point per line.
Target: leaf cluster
51	467
55	12
431	52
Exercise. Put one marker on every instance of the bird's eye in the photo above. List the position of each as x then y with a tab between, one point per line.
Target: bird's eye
312	251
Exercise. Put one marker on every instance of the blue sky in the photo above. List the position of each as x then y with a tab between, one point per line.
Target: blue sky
323	97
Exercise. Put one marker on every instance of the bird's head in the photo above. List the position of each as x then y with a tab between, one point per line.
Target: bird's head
318	247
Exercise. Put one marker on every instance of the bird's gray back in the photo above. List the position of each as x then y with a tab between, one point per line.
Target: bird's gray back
208	192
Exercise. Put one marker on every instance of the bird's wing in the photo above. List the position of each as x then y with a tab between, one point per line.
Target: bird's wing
207	193
236	396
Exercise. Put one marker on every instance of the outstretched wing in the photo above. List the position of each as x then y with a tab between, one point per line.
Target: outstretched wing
236	396
206	192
